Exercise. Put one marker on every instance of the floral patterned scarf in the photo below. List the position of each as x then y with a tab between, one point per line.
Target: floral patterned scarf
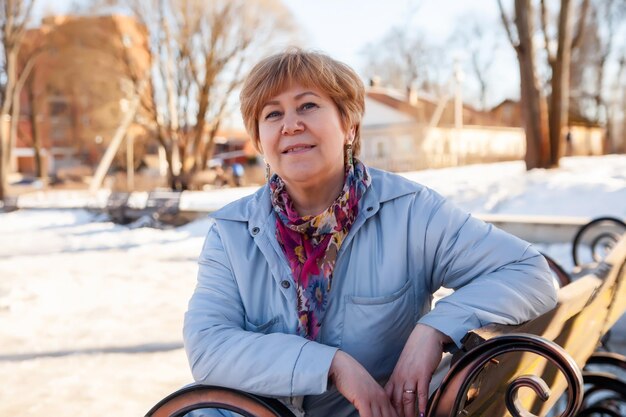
311	243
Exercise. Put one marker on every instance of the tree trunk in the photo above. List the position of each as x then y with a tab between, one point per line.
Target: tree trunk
199	132
40	172
3	170
600	102
5	126
559	99
172	179
203	105
533	105
210	145
16	105
4	145
624	121
172	104
5	117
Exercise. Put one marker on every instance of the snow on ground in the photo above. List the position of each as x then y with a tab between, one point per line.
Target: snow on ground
586	187
91	312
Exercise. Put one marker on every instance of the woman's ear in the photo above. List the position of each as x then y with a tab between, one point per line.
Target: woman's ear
350	135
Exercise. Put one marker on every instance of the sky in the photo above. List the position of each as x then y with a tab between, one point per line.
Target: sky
91	312
343	28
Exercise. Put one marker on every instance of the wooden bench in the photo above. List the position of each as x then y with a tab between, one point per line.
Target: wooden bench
9	204
503	370
492	358
117	207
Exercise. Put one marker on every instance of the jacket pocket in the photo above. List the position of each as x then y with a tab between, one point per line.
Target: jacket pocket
385	299
375	329
261	328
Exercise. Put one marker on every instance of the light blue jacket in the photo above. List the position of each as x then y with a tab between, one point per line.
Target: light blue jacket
406	243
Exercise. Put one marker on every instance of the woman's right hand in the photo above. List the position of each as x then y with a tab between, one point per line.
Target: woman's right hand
357	386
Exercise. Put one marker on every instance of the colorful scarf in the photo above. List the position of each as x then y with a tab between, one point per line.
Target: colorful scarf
311	243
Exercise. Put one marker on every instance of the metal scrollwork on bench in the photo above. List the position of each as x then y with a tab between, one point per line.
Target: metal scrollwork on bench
450	398
600	235
611	389
199	397
530	381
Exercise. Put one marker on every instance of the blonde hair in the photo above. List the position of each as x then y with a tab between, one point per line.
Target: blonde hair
310	69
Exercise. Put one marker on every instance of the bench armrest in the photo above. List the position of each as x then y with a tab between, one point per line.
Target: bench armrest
458	388
196	397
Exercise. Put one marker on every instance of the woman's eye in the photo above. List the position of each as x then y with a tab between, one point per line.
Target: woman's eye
272	115
307	106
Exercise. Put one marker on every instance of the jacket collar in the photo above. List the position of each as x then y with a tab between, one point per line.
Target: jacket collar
257	207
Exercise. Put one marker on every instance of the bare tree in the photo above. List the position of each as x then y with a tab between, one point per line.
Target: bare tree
533	105
31	92
403	59
622	87
584	74
619	88
14	15
544	120
595	86
200	50
480	47
31	49
559	61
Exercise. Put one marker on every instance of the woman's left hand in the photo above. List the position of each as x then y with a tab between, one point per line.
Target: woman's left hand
410	379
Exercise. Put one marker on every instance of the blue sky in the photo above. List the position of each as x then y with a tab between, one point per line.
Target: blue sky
342	28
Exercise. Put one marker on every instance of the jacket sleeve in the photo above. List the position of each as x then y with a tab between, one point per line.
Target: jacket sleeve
222	353
496	277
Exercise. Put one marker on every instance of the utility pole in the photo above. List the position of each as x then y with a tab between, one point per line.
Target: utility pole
458	96
121	131
130	162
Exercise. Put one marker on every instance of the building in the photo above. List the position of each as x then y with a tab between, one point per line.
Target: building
84	71
403	132
584	138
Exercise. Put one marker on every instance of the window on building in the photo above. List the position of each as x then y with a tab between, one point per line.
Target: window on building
380	150
59	136
58	108
406	145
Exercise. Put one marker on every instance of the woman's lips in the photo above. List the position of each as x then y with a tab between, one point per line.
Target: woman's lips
298	149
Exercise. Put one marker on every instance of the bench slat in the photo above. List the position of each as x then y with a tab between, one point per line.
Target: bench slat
586	309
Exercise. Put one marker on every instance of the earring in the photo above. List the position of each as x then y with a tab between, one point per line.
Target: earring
267	171
349	153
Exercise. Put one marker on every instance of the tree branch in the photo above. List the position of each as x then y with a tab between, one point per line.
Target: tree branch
544	29
580	27
507	26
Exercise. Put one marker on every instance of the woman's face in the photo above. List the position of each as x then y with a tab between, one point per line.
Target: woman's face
302	137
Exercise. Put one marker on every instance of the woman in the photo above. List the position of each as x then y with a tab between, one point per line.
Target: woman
318	287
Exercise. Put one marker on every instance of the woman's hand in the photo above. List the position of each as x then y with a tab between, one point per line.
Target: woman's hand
411	377
357	386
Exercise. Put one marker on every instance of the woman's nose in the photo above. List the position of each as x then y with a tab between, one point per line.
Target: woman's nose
291	124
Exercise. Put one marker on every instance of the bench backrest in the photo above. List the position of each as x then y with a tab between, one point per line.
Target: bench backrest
587	308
